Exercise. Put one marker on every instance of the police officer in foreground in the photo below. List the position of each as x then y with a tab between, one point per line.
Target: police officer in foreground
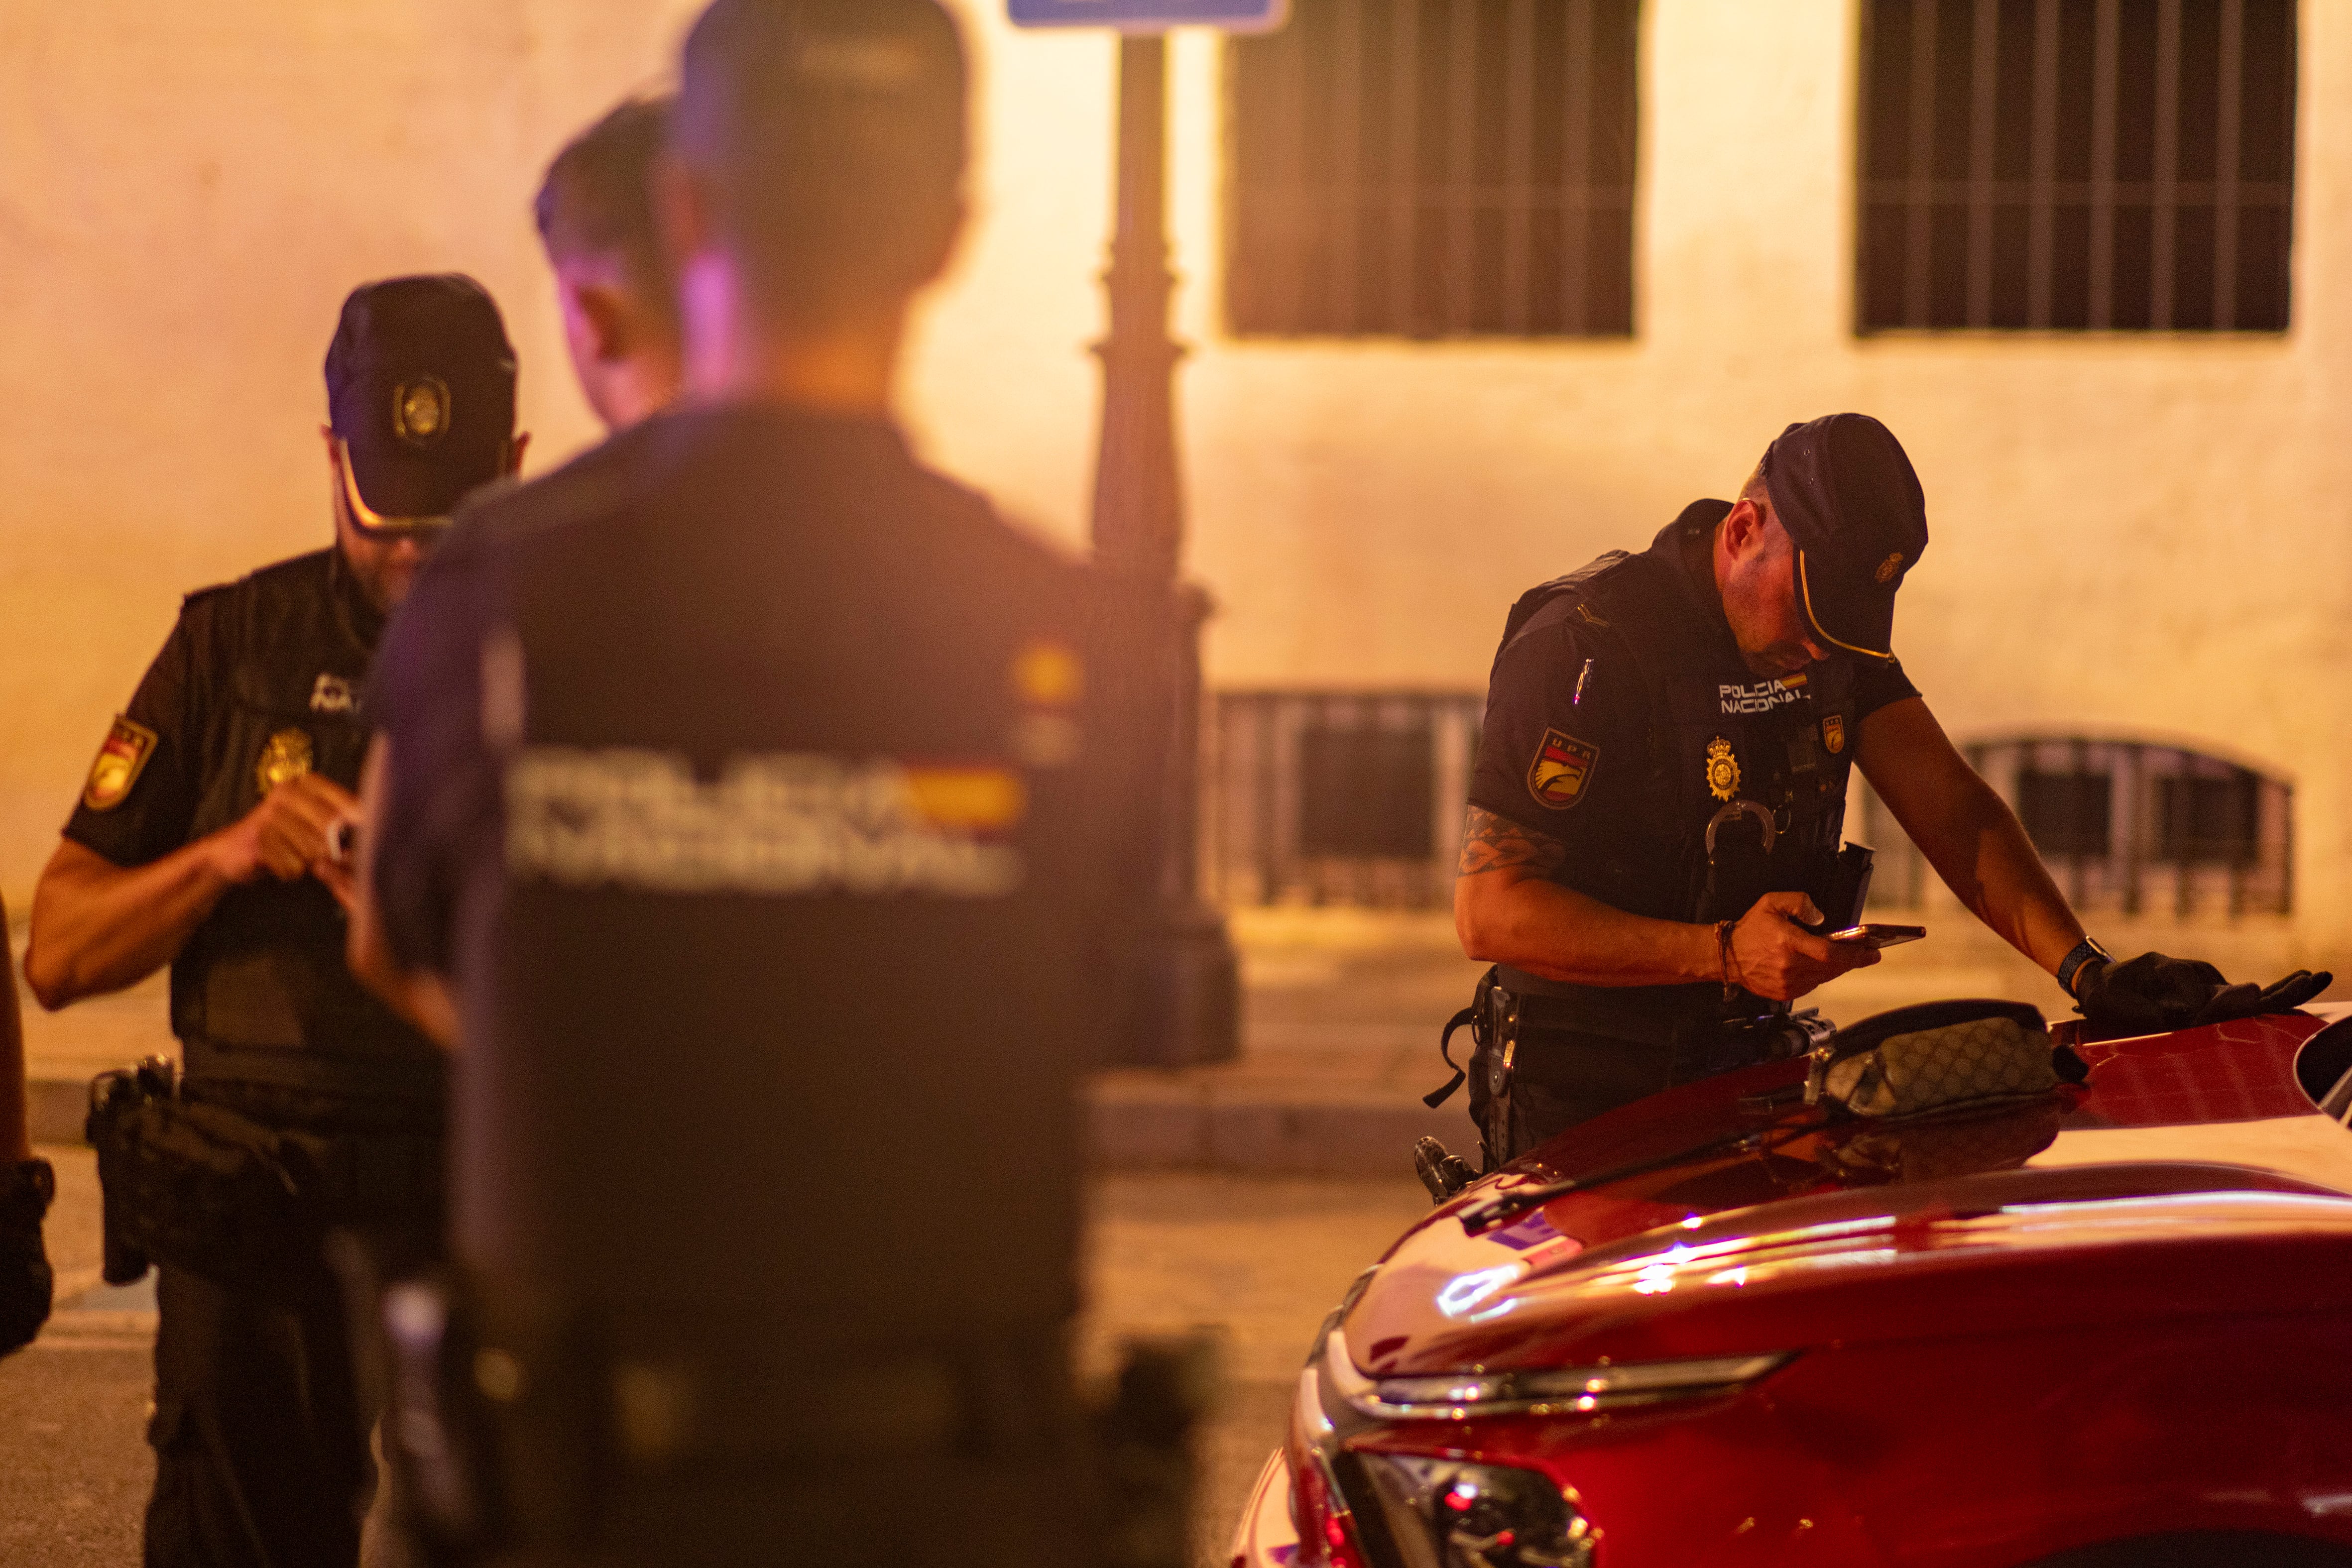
27	1185
740	783
1652	859
203	840
595	215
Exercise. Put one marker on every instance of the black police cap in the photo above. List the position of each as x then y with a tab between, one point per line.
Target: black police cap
1846	493
420	389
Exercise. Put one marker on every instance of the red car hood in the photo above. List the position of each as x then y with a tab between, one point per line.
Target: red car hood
2190	1176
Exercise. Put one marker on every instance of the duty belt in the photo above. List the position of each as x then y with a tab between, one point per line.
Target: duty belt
419	1078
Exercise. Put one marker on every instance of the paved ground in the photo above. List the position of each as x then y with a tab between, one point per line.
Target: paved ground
1260	1260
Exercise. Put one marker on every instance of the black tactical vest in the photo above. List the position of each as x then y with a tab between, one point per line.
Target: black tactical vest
1761	762
261	991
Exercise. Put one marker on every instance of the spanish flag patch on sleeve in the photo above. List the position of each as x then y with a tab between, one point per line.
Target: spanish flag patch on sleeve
1562	768
119	764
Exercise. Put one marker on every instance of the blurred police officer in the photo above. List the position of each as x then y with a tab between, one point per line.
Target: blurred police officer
202	840
1656	812
751	847
27	1185
596	213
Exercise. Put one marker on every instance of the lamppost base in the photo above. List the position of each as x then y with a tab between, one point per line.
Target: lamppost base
1183	991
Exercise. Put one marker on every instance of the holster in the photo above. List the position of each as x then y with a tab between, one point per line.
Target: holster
204	1187
1492	1019
197	1186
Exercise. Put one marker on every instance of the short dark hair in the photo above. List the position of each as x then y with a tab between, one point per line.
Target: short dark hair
597	200
832	134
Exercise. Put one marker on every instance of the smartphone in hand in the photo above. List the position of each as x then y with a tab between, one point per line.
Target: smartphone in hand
1879	936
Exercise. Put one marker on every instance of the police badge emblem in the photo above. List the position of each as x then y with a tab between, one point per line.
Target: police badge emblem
420	410
333	694
285	759
1722	769
118	765
1562	768
1833	733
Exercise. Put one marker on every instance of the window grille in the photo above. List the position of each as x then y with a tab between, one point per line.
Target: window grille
2125	827
1433	168
2066	813
1320	798
2099	164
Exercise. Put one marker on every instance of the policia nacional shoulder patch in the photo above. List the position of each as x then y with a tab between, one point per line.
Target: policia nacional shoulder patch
120	762
1562	768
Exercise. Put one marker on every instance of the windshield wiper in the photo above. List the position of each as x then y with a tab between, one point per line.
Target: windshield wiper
1481	1218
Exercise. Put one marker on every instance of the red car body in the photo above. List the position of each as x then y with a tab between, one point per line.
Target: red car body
2113	1324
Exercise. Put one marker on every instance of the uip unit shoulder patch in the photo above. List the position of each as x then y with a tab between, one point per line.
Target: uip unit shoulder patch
1562	768
118	765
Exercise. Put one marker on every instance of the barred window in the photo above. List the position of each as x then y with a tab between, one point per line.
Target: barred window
1433	168
2126	827
2099	164
1347	798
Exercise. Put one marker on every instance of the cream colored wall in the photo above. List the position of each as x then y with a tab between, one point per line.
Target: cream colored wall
2131	533
186	193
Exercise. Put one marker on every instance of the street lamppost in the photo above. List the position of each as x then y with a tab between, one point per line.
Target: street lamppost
1181	997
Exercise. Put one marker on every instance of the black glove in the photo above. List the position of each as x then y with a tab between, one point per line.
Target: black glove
2152	993
24	1279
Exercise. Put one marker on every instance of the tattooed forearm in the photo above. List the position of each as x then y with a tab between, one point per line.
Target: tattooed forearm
1490	843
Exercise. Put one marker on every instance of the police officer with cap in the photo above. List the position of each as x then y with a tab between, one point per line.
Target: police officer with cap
1652	859
204	839
740	782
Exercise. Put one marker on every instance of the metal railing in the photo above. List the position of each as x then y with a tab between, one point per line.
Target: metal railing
2129	827
1356	798
1335	798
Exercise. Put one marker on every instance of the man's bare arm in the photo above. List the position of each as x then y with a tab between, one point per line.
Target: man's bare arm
420	996
1966	831
98	926
1490	843
1506	911
16	1130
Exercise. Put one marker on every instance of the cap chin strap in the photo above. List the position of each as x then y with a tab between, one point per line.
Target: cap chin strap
1805	596
366	518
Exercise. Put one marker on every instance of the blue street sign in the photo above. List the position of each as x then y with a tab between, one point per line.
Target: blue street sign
1153	16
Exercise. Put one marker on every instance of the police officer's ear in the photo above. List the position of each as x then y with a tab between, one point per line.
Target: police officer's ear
597	313
1745	528
334	466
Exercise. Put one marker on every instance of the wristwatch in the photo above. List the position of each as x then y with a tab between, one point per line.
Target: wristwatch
2072	964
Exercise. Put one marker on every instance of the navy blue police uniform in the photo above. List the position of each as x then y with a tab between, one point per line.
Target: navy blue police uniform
749	780
1622	722
256	1413
260	1425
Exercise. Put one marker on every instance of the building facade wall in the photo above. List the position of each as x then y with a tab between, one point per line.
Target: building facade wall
2133	534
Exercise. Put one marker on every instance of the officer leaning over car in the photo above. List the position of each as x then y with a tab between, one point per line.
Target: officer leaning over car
740	784
205	839
1652	860
27	1185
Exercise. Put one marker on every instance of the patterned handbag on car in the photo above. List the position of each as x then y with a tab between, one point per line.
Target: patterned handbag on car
1925	1057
